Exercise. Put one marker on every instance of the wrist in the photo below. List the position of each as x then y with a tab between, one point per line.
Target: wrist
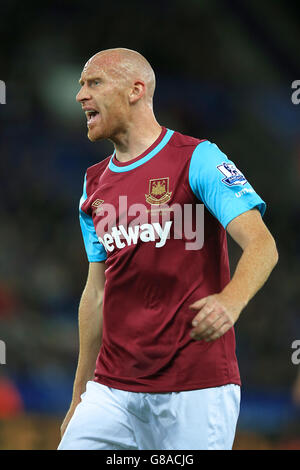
235	300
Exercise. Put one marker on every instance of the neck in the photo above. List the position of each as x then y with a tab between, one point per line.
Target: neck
136	138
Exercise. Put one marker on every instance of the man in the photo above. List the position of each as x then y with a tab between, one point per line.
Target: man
160	307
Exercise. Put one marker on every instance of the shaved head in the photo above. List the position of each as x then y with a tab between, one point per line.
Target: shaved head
117	88
127	66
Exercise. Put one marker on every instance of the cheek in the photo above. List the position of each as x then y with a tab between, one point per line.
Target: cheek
117	108
118	98
112	104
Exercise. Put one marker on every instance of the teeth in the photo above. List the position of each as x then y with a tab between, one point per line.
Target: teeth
91	113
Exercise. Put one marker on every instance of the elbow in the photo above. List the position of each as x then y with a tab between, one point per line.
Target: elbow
274	255
268	250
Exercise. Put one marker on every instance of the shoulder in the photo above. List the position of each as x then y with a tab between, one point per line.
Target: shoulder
207	154
189	148
209	164
93	174
201	146
185	142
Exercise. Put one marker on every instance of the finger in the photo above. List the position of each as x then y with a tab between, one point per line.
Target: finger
198	304
214	328
202	315
220	332
206	317
206	326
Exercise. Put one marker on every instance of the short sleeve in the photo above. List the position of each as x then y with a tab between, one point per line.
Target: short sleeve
94	249
216	181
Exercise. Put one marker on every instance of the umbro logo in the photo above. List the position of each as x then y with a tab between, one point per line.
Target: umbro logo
97	203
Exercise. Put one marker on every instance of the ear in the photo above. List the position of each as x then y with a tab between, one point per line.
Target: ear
137	91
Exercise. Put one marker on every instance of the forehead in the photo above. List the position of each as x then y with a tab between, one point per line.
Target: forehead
99	64
91	71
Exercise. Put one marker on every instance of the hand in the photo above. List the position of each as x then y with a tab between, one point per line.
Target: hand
216	315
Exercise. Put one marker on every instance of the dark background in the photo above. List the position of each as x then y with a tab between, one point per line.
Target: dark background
224	72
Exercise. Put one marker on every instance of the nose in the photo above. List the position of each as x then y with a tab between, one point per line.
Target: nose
82	95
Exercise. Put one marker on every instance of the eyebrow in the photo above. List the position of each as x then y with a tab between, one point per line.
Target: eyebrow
89	79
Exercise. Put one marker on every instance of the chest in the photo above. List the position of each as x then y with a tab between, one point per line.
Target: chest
148	188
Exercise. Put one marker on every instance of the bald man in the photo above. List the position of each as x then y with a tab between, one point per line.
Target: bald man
157	367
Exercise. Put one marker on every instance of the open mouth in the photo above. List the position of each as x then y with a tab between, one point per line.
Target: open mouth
91	116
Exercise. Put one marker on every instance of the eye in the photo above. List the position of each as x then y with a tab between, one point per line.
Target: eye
97	82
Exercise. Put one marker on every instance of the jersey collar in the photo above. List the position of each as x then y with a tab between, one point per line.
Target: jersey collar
157	146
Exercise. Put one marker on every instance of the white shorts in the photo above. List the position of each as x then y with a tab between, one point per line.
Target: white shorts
111	419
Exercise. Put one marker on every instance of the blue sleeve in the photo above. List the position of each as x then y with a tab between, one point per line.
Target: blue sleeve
94	249
218	183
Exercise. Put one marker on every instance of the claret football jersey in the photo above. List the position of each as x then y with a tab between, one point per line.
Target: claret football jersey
159	223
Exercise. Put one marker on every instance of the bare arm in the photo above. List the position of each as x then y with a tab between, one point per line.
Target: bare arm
217	313
90	333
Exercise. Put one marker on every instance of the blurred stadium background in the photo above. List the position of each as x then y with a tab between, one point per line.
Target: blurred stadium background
224	72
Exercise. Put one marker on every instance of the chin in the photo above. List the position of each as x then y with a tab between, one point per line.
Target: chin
94	136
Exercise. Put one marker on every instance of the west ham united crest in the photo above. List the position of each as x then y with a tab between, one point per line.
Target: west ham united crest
158	191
